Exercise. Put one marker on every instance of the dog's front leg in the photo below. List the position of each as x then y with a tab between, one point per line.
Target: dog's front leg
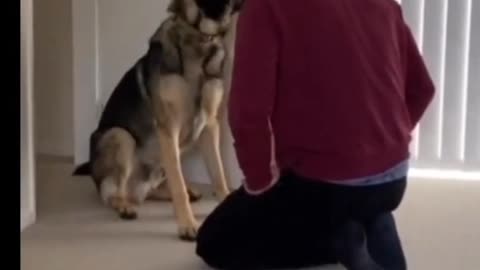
187	225
210	148
170	99
212	94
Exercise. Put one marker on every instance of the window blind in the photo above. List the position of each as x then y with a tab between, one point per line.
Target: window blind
448	34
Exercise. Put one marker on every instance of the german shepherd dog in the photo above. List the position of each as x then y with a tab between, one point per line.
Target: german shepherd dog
168	102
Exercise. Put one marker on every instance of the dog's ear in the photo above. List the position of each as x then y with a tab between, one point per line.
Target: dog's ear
175	6
237	5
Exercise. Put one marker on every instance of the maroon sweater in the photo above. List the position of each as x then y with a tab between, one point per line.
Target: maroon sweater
330	89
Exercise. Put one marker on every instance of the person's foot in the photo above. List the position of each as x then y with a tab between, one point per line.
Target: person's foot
350	247
384	244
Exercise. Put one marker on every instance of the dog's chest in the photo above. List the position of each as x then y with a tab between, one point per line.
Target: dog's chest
198	56
193	73
195	77
194	125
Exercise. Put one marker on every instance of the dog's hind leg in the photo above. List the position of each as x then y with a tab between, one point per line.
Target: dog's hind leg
212	94
172	101
162	193
193	194
114	165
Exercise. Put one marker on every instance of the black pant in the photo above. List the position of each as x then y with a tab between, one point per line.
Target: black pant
303	223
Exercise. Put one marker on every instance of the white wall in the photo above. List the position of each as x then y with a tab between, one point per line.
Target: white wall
53	77
27	177
124	29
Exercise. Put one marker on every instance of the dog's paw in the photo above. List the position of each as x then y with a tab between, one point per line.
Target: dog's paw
124	208
128	214
194	195
188	232
221	195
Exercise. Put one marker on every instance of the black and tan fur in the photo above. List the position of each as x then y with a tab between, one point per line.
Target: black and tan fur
167	103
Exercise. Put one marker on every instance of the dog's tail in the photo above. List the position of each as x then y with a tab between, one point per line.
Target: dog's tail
83	170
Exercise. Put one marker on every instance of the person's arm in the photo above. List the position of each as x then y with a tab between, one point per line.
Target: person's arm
251	101
420	88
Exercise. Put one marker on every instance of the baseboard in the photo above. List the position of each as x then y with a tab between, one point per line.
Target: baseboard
27	218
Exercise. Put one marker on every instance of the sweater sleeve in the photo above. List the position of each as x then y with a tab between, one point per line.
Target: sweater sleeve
420	88
254	84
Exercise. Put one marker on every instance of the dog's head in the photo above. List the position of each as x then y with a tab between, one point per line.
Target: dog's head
210	17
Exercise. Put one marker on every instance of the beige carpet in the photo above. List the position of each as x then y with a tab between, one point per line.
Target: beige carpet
439	223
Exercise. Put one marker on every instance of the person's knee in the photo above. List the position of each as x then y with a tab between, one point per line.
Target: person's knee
383	224
205	242
209	248
347	240
208	255
213	257
350	247
221	238
384	243
351	235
